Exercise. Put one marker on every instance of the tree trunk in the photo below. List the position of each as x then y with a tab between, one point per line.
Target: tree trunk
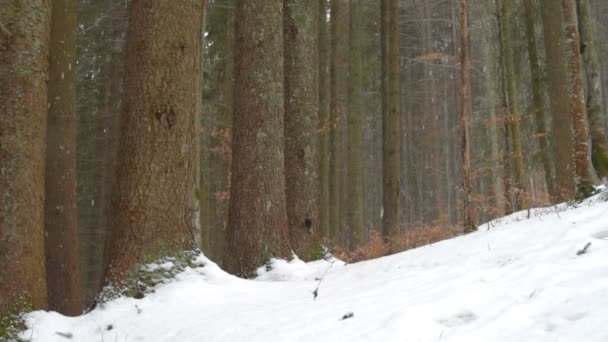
338	85
24	48
521	197
465	116
153	206
558	86
61	216
595	102
257	221
582	173
356	221
324	124
301	118
538	98
391	128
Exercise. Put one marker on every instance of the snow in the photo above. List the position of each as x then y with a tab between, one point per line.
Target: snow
521	280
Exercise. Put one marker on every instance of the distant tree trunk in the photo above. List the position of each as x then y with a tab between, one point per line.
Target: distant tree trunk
584	185
24	49
301	120
324	124
465	116
521	197
558	86
257	221
538	98
338	79
61	216
356	221
153	206
391	128
595	102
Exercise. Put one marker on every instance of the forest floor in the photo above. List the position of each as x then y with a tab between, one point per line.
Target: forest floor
518	278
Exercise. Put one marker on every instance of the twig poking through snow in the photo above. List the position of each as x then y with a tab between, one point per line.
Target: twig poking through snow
584	250
348	315
315	293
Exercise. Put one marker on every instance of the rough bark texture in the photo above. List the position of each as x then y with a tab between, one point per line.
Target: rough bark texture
153	207
576	97
356	222
465	115
24	44
538	98
391	128
257	219
324	125
61	216
513	116
595	102
301	118
561	131
338	98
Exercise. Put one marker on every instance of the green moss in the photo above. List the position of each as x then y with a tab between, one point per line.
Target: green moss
470	229
584	190
12	320
599	159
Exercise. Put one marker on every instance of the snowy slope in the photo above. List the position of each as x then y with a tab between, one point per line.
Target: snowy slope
520	281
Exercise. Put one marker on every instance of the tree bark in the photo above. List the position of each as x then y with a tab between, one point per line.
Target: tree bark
301	118
561	131
595	102
61	215
576	98
24	50
391	128
324	123
153	201
257	221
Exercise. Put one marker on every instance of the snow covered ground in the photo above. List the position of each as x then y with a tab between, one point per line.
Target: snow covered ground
522	280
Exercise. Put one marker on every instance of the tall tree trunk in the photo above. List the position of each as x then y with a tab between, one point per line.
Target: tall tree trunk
561	131
153	206
521	197
324	124
391	128
465	116
24	49
356	221
301	119
257	221
595	102
538	98
338	75
582	173
61	216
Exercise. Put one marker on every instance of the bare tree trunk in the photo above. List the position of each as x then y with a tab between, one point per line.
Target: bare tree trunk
24	50
561	131
301	118
465	115
153	201
324	124
595	102
257	219
61	215
584	186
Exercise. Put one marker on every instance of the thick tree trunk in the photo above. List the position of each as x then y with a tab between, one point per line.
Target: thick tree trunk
24	49
582	172
595	102
521	197
61	216
391	128
324	124
301	119
257	221
153	206
561	131
356	221
538	98
465	116
338	98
